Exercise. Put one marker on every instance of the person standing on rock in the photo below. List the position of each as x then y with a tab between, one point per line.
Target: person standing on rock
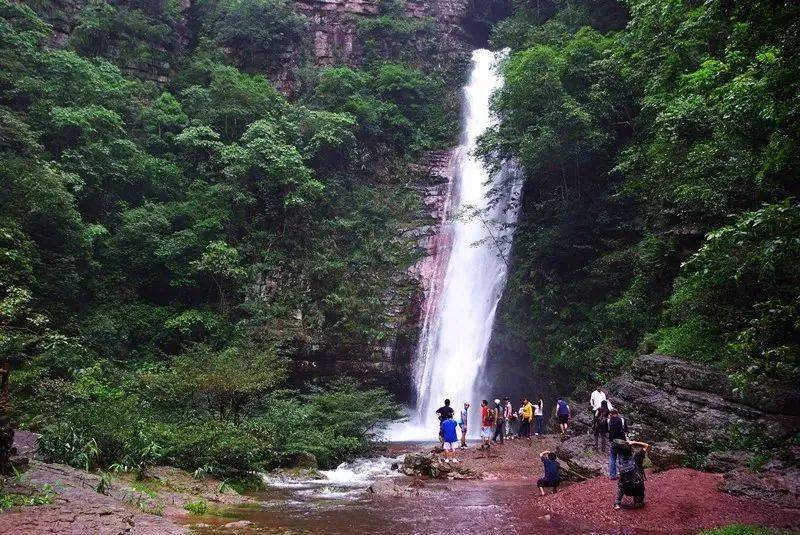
499	421
527	418
598	397
444	412
487	419
563	413
538	415
463	424
600	425
552	476
631	471
617	430
449	437
510	416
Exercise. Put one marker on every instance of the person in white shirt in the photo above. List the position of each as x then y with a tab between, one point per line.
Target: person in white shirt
598	397
538	416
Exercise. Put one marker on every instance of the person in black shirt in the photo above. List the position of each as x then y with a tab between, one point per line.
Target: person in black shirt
617	430
631	471
445	413
552	477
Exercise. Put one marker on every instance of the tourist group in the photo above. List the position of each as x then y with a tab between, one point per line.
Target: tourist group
500	422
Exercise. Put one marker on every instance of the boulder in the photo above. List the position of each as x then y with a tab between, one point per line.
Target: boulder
725	461
666	455
582	461
387	487
431	465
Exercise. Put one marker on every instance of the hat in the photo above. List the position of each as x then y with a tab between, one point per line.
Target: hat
497	401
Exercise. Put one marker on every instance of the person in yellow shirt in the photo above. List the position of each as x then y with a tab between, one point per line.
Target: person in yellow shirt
527	418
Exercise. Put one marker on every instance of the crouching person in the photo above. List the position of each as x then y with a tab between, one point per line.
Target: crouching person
552	475
630	466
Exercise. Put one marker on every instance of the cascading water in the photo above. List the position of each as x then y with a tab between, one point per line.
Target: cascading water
457	325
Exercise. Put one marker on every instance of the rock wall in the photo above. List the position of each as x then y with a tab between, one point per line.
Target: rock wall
696	405
333	31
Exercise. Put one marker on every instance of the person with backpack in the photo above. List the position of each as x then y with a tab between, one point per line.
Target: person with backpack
487	422
449	437
600	425
527	418
462	423
552	476
564	414
617	431
499	421
538	415
631	471
444	412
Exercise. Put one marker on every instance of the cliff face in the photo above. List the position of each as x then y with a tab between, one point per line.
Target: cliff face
333	31
390	364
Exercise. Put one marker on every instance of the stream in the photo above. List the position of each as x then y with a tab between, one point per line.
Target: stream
339	503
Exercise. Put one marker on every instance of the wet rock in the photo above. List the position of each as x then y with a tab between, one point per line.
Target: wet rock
725	461
777	484
385	487
238	524
666	455
431	465
582	461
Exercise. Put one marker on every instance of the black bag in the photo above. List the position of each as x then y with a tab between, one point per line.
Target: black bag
630	476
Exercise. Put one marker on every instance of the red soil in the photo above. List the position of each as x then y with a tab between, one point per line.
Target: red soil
678	500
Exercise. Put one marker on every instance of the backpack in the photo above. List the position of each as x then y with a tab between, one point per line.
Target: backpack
562	407
490	416
630	477
616	428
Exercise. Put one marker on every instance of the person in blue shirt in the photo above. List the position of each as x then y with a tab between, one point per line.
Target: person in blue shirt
449	437
552	476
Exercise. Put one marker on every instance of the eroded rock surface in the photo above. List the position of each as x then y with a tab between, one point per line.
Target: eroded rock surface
695	405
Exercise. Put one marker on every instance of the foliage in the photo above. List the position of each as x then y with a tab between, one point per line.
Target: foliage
198	507
10	499
261	33
660	168
742	529
165	252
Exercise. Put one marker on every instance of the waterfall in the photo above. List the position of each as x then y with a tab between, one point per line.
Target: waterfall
457	324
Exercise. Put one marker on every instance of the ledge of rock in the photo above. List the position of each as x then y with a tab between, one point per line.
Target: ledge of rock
694	404
431	465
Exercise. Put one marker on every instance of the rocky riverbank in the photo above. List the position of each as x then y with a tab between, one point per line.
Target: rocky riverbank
486	492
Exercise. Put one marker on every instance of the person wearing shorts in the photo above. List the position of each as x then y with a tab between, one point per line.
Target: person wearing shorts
486	425
449	437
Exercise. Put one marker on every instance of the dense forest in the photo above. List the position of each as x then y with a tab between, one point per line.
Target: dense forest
659	143
168	244
167	248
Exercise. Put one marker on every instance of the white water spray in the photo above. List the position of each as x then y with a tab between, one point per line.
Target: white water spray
457	327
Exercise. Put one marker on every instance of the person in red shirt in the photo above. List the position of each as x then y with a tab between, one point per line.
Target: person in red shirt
487	422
